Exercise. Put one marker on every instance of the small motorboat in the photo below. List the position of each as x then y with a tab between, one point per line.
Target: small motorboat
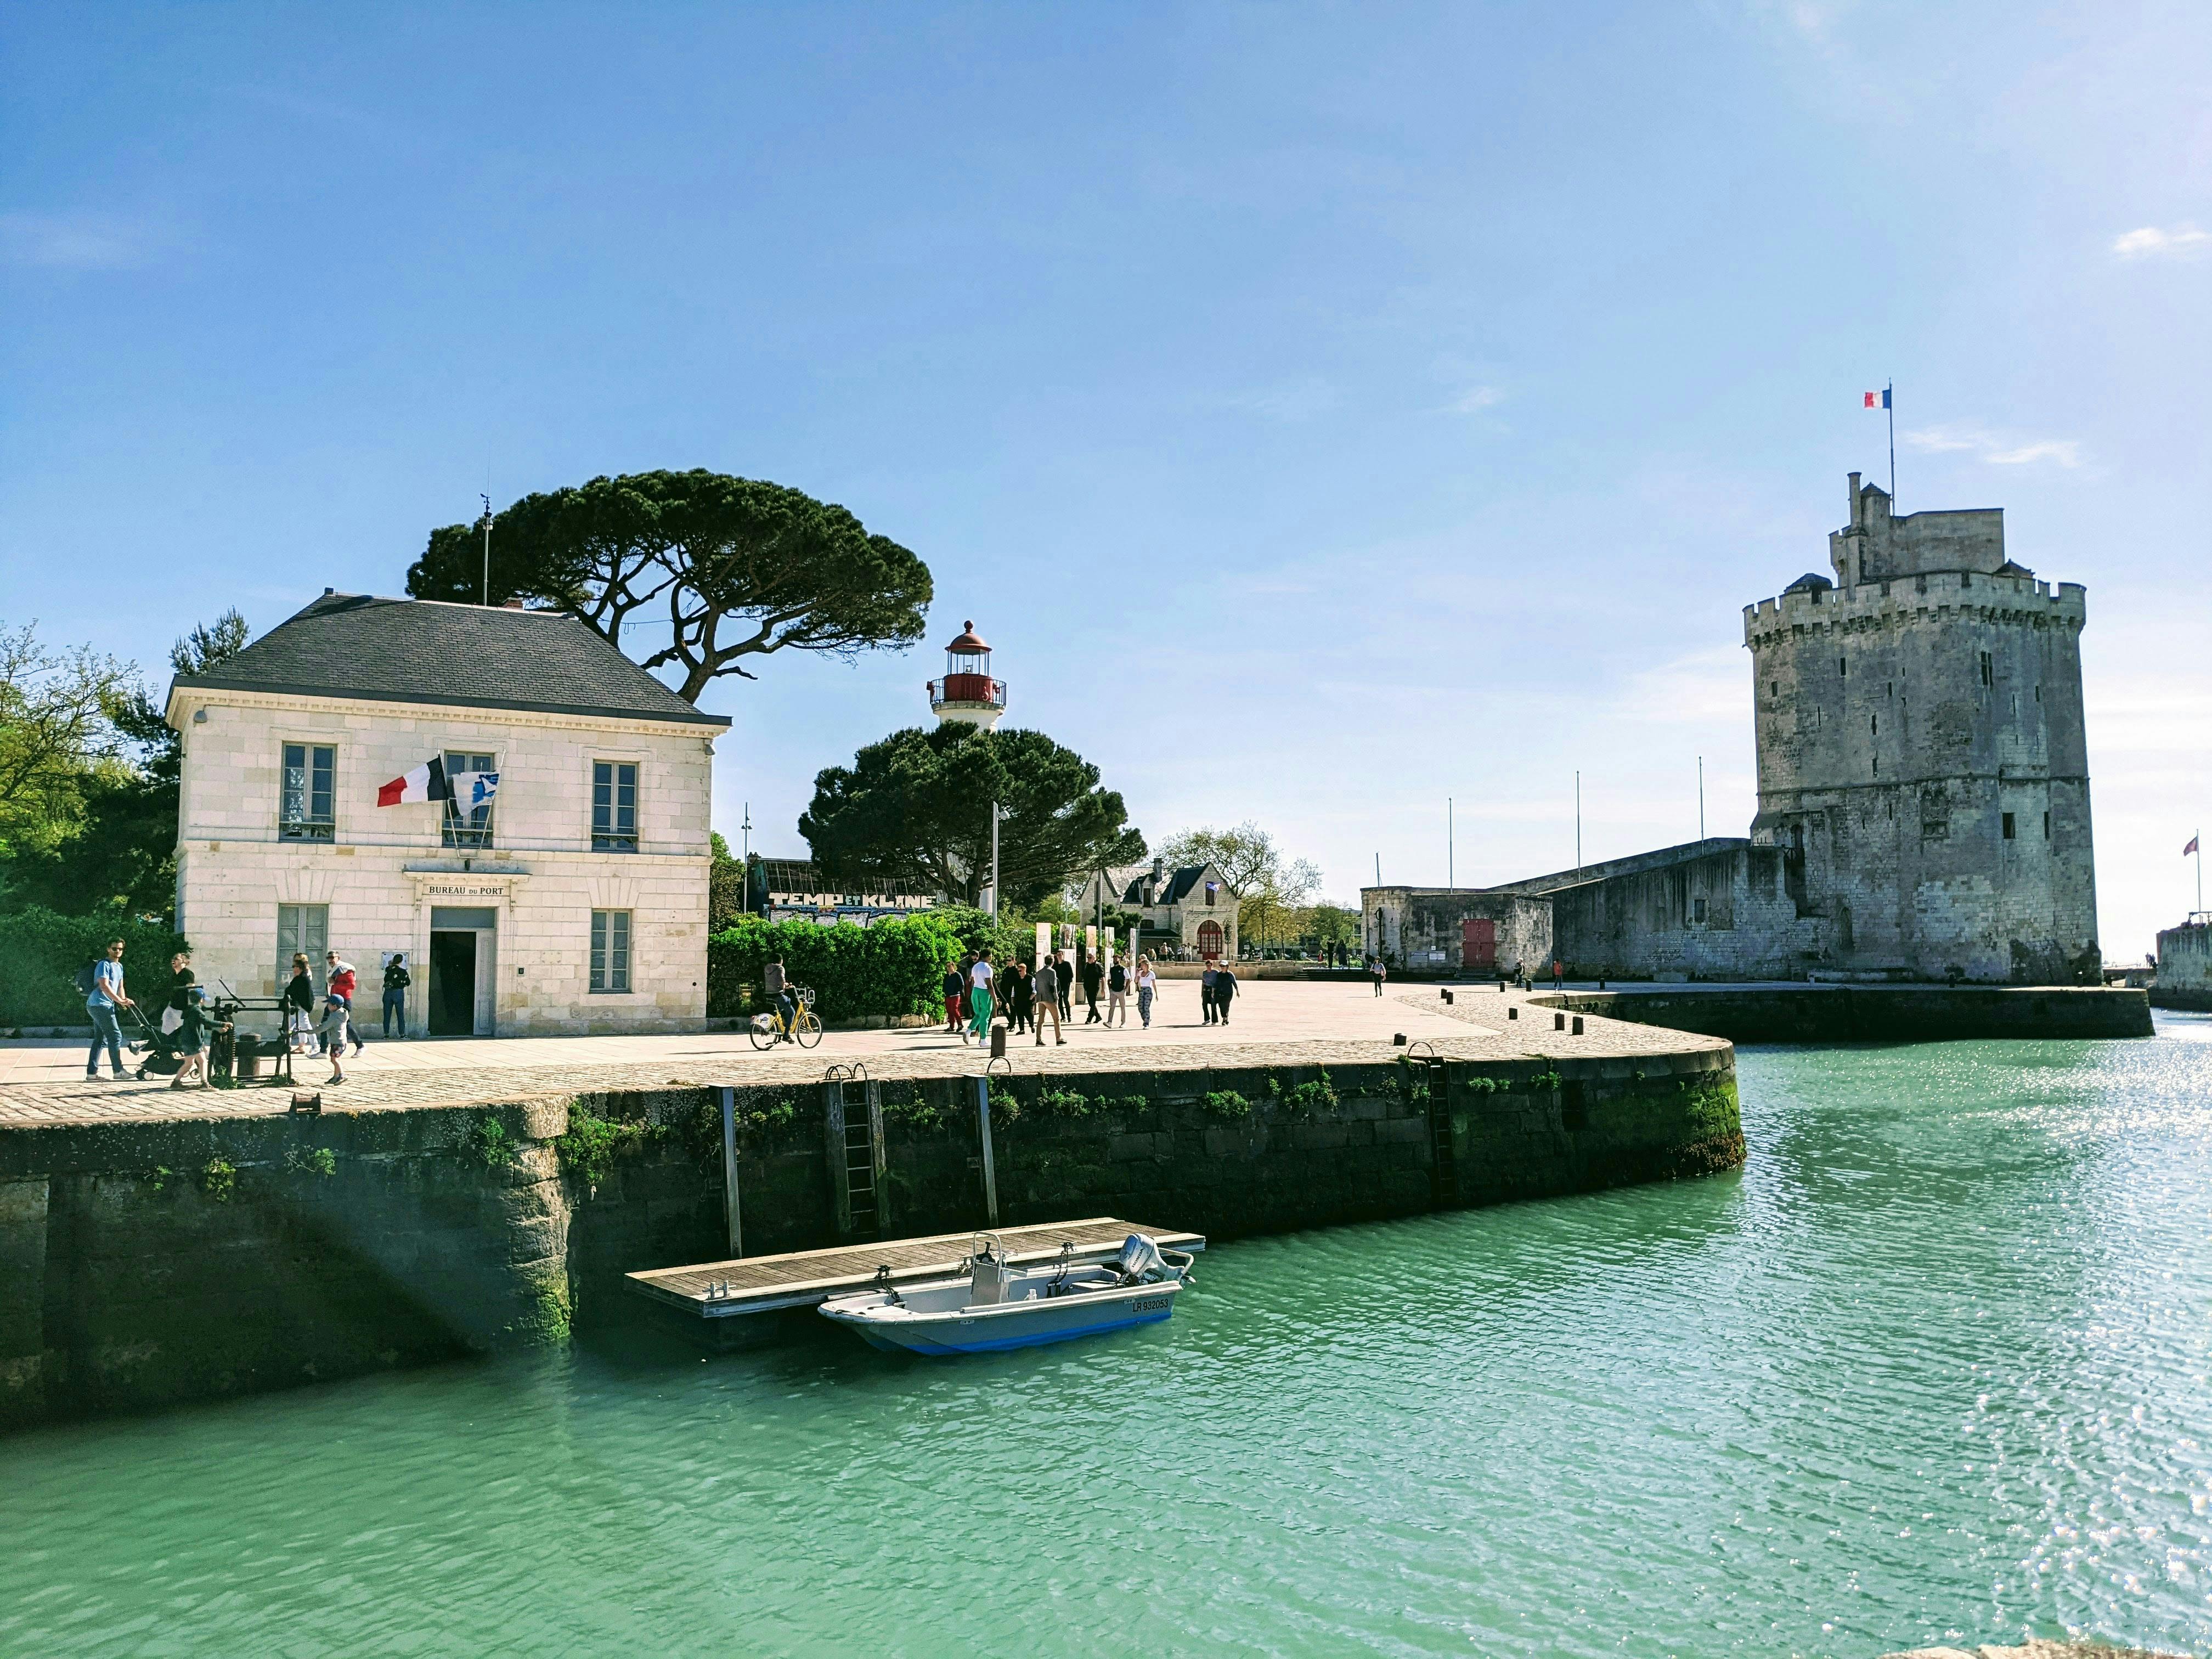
996	1305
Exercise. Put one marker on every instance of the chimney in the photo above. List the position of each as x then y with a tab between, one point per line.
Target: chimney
1855	501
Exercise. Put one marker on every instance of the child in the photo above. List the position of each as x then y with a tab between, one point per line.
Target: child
332	1032
195	1026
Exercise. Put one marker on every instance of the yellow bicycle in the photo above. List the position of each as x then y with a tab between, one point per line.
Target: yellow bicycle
767	1028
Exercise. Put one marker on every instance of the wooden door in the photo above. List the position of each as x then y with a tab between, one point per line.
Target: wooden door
1478	939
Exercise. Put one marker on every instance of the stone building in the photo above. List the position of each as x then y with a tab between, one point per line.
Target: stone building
2184	966
575	900
1186	913
1923	793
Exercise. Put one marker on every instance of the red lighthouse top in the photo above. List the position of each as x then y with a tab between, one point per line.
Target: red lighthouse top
968	692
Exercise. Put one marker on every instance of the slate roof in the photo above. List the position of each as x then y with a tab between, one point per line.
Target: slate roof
1177	883
425	651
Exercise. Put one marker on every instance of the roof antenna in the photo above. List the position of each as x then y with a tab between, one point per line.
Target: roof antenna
486	499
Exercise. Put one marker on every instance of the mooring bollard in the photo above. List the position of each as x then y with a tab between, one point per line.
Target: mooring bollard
1559	1022
1447	996
1578	1025
1512	1014
998	1042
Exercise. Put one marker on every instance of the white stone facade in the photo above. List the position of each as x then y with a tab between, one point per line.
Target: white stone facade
385	872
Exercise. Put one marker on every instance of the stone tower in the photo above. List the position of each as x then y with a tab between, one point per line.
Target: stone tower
968	695
1922	761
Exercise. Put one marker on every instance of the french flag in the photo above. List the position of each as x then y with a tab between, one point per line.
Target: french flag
1878	400
425	782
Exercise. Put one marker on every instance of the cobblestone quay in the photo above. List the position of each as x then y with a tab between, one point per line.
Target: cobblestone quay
230	1249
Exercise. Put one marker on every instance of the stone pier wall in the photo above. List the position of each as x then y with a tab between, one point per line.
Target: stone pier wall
143	1263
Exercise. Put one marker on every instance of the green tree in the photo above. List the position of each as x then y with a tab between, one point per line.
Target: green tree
119	846
725	884
733	567
919	801
1263	882
58	738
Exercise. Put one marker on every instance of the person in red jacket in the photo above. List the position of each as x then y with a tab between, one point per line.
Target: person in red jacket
340	983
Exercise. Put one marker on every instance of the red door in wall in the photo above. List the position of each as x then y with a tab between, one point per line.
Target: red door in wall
1477	939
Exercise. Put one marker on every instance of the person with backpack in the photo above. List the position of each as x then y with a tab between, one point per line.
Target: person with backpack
102	981
1117	992
396	982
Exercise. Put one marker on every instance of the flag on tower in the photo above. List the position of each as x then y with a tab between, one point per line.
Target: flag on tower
425	782
2191	847
1878	400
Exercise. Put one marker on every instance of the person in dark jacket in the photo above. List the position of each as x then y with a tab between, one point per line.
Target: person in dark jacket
1224	988
1064	972
191	1043
956	986
180	987
396	979
299	1002
1093	976
1017	987
1206	982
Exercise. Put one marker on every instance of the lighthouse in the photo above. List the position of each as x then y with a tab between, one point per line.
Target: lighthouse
968	694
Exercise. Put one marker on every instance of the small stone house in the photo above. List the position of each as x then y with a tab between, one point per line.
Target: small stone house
574	900
1188	914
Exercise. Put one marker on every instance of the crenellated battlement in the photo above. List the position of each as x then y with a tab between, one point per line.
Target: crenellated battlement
1995	599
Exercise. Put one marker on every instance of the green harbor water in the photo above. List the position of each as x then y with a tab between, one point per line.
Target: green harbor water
1934	1365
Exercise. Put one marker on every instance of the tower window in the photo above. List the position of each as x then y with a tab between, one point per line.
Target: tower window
1774	688
1989	670
2039	694
1891	689
2008	826
1843	666
2046	826
1873	725
1877	766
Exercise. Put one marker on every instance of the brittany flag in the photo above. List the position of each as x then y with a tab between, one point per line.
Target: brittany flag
1878	400
425	782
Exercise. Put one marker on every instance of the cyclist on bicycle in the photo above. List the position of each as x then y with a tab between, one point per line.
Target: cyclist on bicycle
778	984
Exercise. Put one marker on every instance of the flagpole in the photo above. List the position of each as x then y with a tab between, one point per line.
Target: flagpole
1889	408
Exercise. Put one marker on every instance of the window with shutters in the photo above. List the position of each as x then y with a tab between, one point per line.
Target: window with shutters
307	800
611	951
614	806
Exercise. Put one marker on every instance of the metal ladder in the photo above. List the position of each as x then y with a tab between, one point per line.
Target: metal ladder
854	1123
1443	1168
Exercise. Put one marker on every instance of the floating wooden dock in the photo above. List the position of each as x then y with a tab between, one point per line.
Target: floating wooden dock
804	1278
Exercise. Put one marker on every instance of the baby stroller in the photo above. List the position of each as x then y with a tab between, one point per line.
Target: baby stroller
162	1057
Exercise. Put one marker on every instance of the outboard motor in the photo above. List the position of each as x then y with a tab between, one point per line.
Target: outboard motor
1140	1261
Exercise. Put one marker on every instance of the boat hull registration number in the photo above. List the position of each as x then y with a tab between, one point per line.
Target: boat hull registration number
1152	1303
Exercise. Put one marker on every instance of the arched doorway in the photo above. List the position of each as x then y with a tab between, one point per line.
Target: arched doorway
1209	939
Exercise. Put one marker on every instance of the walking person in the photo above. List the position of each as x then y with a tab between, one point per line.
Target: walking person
1206	981
1146	981
180	985
396	982
1048	1001
341	981
979	998
332	1033
1378	972
1064	972
1117	993
955	983
1224	988
1020	989
299	1005
103	982
196	1026
1092	974
1559	974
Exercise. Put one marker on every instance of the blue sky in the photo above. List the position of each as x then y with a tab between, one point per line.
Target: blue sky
1323	410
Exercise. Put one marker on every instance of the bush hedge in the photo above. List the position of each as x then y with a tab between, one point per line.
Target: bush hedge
893	967
41	949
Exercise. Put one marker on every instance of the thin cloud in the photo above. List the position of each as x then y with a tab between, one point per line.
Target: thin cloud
1296	400
1475	399
74	241
1990	447
2151	242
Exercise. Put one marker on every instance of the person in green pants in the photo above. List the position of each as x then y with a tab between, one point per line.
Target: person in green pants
979	998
